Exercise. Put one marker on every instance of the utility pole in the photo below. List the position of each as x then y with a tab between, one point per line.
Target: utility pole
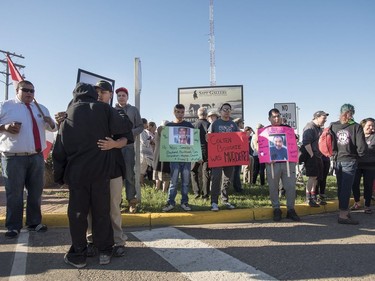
6	73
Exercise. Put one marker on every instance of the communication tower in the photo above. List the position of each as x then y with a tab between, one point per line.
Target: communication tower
212	46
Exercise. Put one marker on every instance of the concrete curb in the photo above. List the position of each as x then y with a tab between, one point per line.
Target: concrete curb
195	218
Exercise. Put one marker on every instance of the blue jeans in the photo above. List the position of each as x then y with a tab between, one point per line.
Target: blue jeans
345	173
20	172
129	158
176	169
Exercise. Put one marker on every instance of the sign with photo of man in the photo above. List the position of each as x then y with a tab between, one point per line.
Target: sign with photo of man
180	144
277	144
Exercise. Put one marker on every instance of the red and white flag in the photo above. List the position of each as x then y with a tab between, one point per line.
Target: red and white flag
17	77
14	73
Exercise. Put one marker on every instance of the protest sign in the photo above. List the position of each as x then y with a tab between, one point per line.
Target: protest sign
277	144
228	149
180	144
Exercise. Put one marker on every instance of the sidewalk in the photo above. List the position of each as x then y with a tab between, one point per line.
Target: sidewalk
54	209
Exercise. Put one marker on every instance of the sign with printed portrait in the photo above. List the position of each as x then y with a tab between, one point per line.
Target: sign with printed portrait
180	144
277	144
228	149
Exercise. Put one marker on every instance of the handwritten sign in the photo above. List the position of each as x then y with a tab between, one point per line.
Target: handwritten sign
228	149
277	144
180	144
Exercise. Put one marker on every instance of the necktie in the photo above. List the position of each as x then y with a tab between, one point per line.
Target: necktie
37	142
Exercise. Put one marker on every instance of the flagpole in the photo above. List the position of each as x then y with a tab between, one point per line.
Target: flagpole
39	109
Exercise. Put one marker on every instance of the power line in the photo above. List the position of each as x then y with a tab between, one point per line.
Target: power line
6	73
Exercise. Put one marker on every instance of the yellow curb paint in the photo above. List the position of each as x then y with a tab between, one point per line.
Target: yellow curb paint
263	213
136	219
204	217
56	220
201	217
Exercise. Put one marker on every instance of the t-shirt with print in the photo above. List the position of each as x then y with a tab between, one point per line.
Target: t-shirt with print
222	126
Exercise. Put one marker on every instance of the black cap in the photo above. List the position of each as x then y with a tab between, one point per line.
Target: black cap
320	113
104	85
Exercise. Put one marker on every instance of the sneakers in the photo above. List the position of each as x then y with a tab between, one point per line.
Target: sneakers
277	214
167	208
214	207
76	261
312	203
356	206
91	250
119	251
11	234
185	207
322	202
291	214
133	206
104	258
347	220
37	227
229	206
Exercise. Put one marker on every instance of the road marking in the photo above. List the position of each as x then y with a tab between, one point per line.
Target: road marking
195	259
20	256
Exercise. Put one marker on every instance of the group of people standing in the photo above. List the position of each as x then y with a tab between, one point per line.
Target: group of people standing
353	158
94	156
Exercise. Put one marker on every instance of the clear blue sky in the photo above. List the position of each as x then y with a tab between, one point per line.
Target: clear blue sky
316	53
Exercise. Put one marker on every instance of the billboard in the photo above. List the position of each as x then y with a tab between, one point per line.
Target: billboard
211	97
92	78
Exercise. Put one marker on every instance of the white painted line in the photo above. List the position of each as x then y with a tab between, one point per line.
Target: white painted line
20	256
195	259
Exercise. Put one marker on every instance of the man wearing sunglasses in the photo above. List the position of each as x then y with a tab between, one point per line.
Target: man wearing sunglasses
22	140
220	176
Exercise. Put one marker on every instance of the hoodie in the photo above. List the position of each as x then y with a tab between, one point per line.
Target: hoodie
76	156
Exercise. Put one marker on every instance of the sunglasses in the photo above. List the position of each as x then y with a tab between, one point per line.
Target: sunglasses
226	109
27	90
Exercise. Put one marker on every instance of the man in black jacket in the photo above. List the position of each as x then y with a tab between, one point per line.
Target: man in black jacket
86	169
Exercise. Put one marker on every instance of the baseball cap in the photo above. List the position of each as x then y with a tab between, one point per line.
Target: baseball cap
122	89
320	113
238	120
212	113
104	85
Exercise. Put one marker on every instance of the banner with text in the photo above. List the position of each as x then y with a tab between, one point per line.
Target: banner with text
228	149
277	144
180	144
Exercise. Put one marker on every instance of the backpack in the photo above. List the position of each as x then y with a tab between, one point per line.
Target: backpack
326	141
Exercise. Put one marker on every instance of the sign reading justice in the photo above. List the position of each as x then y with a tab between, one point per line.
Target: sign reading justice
228	149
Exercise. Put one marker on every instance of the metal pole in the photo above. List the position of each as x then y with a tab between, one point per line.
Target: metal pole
7	82
137	101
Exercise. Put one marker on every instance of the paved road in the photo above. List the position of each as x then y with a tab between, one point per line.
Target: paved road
316	249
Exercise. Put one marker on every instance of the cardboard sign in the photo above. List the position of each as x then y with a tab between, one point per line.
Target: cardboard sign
277	144
228	149
180	144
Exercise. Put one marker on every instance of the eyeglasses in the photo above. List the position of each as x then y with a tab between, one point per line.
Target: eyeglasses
27	90
226	109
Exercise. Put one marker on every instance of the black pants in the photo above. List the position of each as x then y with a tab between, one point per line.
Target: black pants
322	180
198	188
259	169
82	198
